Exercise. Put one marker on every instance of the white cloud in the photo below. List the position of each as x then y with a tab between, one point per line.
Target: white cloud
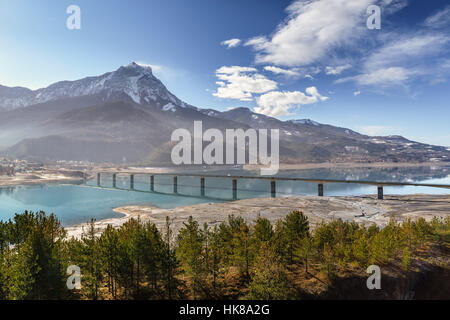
240	83
231	43
280	103
401	59
277	70
392	6
337	70
235	69
440	19
315	70
438	81
403	49
356	93
308	76
381	77
256	41
154	67
311	31
168	75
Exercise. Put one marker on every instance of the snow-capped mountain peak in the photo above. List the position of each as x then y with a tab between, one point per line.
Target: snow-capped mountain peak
144	69
134	80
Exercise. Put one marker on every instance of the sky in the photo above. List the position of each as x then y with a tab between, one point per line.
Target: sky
315	59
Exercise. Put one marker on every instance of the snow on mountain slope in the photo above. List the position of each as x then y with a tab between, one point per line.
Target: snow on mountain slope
305	121
134	80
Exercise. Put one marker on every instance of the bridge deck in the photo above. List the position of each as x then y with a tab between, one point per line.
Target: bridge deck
271	178
234	188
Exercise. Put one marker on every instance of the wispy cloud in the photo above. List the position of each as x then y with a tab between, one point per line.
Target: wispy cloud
356	93
375	130
440	19
392	6
337	70
401	59
231	43
286	72
166	74
381	77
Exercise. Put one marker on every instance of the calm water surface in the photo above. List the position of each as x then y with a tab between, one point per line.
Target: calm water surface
77	203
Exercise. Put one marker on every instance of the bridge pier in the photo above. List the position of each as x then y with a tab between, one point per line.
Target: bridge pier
273	189
202	187
114	178
152	183
320	189
98	179
132	181
380	193
234	189
175	184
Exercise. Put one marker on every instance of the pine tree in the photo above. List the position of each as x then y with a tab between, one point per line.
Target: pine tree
170	262
242	251
91	263
109	243
263	230
190	253
291	232
269	280
19	277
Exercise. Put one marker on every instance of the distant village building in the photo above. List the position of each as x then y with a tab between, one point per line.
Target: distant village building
7	171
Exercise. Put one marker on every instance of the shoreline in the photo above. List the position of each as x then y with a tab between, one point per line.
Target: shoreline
361	209
30	182
356	208
349	165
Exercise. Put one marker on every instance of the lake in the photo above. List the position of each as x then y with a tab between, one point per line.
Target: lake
79	203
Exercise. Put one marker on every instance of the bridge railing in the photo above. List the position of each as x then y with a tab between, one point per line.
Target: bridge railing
273	179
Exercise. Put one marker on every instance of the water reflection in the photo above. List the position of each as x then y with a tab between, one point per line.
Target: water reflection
248	188
76	203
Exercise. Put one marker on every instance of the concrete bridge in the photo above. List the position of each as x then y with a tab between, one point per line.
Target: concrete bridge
234	183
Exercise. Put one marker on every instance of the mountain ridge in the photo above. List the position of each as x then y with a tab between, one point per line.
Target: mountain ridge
130	114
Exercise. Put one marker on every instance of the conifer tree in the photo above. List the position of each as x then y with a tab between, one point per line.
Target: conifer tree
269	280
170	262
190	253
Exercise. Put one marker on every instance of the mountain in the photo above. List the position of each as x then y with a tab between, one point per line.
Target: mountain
133	82
128	115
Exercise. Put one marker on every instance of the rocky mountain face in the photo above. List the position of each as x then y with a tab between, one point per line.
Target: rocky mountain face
132	82
128	115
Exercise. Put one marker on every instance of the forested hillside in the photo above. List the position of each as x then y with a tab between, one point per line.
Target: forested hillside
234	260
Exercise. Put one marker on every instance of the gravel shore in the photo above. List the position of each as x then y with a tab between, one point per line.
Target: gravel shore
363	209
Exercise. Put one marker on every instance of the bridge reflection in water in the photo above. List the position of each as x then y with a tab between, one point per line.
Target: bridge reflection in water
149	185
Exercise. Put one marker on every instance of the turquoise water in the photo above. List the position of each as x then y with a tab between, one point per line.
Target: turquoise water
77	203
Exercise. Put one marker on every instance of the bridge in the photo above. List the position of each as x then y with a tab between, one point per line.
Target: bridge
234	183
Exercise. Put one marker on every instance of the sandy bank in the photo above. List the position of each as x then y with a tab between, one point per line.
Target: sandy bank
364	210
36	178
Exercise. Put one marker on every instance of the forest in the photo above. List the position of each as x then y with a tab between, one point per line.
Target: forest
231	260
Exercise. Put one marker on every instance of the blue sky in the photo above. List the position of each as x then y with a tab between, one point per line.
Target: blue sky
289	59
